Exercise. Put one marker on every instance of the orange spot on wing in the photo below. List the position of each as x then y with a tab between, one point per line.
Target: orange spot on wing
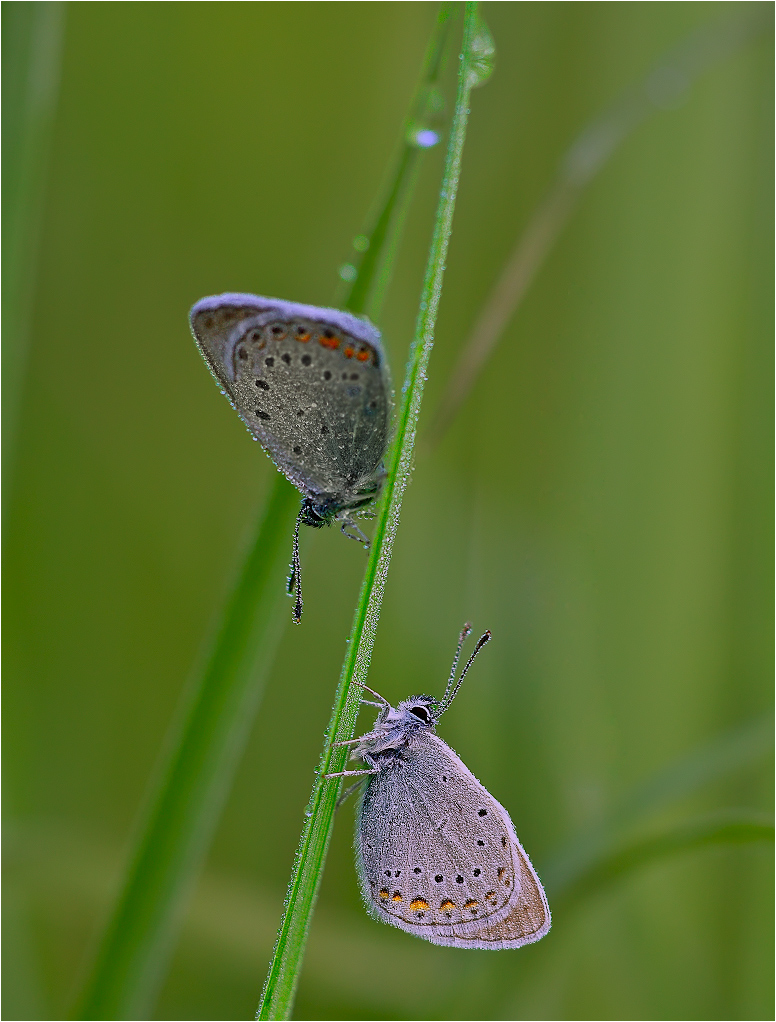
396	896
349	352
471	903
447	905
329	342
418	903
384	893
304	336
363	355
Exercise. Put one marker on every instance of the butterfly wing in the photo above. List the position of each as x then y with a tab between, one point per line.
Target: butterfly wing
310	384
438	856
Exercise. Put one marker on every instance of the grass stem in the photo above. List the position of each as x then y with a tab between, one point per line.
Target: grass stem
663	87
278	996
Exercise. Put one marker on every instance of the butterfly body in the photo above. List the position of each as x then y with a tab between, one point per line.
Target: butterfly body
436	854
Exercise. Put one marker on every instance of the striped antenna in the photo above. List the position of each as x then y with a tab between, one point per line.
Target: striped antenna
452	685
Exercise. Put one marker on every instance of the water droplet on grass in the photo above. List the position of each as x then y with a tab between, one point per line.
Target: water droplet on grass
483	51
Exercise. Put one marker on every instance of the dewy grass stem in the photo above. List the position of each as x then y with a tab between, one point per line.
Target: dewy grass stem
207	740
367	290
662	88
279	990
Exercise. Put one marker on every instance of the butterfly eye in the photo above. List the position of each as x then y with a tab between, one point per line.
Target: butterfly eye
421	712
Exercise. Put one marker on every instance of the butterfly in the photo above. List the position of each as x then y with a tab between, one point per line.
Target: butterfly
436	854
312	386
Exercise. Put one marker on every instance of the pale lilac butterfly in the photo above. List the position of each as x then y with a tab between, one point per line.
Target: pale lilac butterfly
436	854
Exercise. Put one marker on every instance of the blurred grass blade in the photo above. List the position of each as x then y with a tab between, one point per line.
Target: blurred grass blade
207	742
733	751
32	51
32	36
729	826
589	851
369	273
189	795
282	978
662	88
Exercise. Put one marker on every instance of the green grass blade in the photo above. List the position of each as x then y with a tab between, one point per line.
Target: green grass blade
729	826
736	750
188	795
666	83
278	996
372	270
32	49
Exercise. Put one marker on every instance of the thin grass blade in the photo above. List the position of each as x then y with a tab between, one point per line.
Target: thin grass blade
32	53
282	979
663	87
588	854
187	798
728	826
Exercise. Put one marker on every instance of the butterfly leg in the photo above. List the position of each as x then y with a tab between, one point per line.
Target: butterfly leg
355	741
347	793
357	534
350	773
372	769
383	700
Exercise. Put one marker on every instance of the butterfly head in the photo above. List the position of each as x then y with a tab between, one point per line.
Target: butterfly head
317	513
419	712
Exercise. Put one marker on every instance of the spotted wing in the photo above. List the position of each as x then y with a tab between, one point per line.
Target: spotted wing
309	383
438	856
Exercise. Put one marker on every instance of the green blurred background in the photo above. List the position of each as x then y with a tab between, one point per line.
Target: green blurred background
602	501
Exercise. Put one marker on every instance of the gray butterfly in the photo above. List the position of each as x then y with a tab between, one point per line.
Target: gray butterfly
436	854
311	384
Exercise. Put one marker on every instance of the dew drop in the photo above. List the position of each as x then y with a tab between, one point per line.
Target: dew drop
424	128
482	54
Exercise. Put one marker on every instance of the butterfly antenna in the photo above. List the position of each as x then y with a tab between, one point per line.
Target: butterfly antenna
480	643
295	574
465	631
